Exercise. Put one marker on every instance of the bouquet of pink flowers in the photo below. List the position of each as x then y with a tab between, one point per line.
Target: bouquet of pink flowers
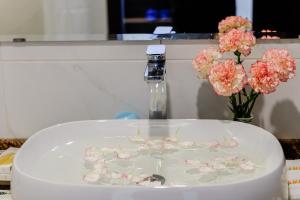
229	78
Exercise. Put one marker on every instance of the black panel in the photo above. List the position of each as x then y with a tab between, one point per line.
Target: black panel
137	8
193	16
283	16
201	16
114	16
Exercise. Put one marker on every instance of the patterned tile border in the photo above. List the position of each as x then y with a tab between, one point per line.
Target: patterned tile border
6	143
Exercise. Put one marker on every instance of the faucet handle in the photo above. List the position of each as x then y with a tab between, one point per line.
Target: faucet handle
156	50
156	53
160	30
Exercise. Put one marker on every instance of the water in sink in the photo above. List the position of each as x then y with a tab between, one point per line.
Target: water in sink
168	161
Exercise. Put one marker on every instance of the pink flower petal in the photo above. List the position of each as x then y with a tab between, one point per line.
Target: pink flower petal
228	78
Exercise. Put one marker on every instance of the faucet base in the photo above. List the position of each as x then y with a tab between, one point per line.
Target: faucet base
157	115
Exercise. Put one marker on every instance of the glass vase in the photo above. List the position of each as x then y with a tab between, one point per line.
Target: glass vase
247	120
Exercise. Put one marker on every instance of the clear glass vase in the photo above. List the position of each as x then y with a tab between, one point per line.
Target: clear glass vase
247	120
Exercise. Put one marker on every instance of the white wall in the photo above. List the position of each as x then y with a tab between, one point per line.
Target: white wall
75	16
44	84
244	8
21	17
38	17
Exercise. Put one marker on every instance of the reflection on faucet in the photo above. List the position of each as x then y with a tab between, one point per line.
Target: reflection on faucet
155	76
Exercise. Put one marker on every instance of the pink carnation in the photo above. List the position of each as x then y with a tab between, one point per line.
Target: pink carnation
284	63
237	40
234	22
205	60
228	78
264	78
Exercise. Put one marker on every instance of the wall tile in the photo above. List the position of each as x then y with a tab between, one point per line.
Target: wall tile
42	85
39	95
68	51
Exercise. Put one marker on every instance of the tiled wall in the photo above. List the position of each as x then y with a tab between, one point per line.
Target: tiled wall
42	84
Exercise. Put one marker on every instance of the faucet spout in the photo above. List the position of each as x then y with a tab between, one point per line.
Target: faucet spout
158	100
155	77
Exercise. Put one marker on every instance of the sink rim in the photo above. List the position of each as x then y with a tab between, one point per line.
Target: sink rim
37	134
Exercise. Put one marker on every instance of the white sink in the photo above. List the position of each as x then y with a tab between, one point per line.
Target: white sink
51	166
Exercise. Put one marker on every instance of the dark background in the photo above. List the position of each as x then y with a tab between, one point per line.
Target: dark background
202	16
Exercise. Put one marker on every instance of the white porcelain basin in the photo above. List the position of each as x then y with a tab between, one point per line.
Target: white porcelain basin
229	161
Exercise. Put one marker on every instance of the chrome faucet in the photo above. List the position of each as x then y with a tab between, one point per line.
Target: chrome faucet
155	76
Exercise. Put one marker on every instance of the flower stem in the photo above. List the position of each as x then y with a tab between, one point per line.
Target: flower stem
243	102
245	93
238	55
252	104
243	106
